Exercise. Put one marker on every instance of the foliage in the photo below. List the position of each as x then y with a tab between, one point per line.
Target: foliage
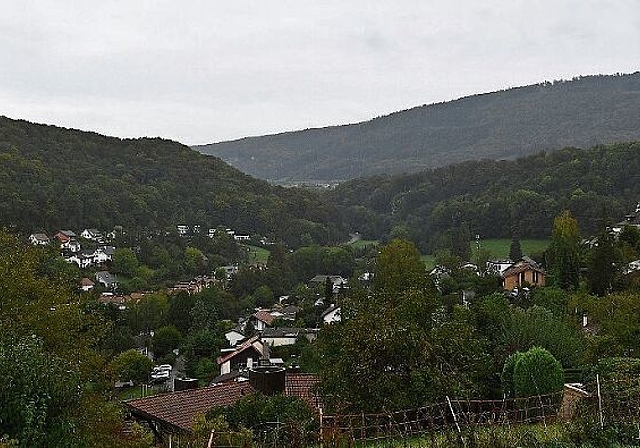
499	125
537	372
537	326
482	195
508	387
564	252
132	365
53	377
52	178
290	418
165	340
394	348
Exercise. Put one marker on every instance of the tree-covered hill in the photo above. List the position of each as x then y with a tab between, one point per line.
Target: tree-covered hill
496	198
52	178
500	125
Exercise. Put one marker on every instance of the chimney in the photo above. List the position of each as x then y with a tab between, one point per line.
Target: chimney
267	378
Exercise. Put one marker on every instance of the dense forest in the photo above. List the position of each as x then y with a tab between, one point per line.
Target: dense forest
52	178
501	125
496	199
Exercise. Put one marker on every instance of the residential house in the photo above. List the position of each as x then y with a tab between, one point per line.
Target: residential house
39	239
249	352
183	230
65	235
106	279
242	237
337	282
331	315
262	319
277	337
171	415
92	235
290	312
103	254
497	267
524	272
86	284
83	259
234	336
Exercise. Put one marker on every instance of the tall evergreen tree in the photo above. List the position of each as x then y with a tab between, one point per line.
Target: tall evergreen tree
563	256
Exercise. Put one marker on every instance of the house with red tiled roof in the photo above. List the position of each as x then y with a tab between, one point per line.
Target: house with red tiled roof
262	319
172	415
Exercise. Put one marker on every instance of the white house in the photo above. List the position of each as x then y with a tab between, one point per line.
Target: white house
498	266
332	314
233	336
91	234
39	239
241	237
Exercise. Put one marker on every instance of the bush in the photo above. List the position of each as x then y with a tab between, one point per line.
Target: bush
537	372
507	374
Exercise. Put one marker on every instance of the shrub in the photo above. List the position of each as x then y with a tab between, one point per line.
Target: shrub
537	372
507	374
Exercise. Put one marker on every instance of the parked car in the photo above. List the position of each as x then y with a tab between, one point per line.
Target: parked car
161	373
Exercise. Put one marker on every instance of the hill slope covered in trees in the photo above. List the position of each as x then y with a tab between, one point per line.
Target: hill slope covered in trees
52	178
437	207
500	125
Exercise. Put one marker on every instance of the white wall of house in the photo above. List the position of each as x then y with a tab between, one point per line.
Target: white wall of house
333	316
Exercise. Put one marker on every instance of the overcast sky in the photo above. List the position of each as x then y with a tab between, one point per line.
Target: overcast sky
206	71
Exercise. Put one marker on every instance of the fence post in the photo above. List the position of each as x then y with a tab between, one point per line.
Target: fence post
321	429
455	418
600	402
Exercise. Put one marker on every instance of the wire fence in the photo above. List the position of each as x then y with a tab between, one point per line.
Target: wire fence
456	414
609	402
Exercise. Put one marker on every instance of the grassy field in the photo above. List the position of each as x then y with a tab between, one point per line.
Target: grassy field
364	243
257	254
499	248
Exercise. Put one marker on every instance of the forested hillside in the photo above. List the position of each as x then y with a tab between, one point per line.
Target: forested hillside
501	125
52	178
496	198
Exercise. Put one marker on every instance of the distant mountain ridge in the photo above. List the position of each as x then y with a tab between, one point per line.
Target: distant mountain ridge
506	124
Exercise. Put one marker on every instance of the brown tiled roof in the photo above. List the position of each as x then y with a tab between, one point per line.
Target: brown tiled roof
519	267
242	347
303	385
265	316
86	282
178	409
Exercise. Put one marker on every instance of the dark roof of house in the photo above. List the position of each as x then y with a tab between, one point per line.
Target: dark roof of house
323	278
229	377
329	310
522	266
291	309
178	409
108	250
242	347
285	332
